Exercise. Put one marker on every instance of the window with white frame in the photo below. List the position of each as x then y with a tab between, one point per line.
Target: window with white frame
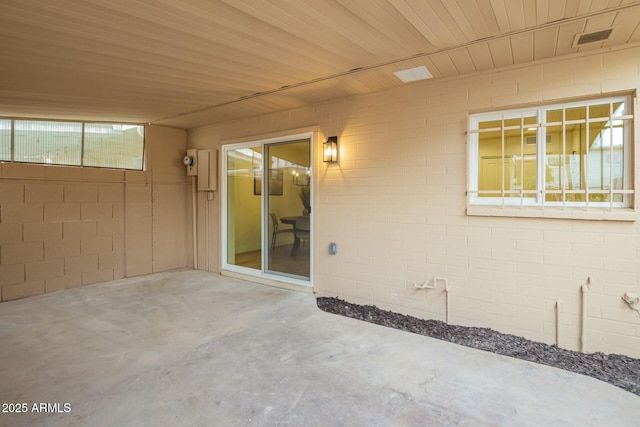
5	139
570	154
107	145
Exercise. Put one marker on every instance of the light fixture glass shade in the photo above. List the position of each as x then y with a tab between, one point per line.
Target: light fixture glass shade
330	150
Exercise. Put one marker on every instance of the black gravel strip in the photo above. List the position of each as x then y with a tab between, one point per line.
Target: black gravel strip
616	369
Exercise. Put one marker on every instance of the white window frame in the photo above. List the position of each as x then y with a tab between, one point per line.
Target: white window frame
501	201
12	124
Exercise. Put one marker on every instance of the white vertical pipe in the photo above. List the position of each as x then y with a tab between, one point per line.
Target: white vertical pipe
206	232
194	222
557	323
583	326
446	290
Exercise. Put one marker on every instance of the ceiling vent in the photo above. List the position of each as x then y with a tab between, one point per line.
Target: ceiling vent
413	74
593	37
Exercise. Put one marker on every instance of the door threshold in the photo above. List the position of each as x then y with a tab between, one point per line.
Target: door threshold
304	288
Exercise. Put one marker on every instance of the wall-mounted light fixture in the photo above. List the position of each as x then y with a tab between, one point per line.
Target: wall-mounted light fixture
330	150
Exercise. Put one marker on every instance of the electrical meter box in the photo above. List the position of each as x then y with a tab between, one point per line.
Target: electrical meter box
191	162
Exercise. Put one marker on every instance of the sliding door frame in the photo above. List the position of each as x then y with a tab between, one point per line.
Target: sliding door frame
262	273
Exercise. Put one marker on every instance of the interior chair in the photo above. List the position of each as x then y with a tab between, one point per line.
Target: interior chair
277	230
301	231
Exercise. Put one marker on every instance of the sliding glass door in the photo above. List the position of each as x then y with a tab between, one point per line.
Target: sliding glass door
244	218
288	207
267	208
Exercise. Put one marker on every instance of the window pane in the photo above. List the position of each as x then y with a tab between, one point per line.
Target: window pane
244	186
606	155
529	162
530	183
510	122
554	164
574	171
577	113
113	145
490	124
619	109
5	139
580	157
530	119
598	165
490	163
513	161
563	173
599	111
48	142
576	149
554	116
564	167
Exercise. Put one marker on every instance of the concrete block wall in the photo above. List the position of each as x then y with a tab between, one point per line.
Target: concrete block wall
59	228
171	201
62	227
396	206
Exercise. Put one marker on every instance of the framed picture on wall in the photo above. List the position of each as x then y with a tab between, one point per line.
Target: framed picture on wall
275	182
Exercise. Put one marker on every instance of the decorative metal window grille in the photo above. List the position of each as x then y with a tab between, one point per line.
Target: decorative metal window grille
570	154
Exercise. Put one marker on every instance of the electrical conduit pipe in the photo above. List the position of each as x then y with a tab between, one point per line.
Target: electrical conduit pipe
446	291
193	220
557	323
433	285
583	326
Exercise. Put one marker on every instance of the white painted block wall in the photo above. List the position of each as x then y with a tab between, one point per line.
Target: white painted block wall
396	205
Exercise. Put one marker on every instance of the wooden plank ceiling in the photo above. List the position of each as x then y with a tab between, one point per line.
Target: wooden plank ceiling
191	63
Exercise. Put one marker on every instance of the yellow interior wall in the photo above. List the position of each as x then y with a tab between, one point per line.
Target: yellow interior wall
245	206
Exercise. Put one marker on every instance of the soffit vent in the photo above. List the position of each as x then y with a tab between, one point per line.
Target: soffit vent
413	74
593	37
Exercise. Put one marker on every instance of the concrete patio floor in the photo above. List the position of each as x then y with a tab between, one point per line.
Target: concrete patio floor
194	348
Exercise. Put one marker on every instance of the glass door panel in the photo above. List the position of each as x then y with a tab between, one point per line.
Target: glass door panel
287	209
244	231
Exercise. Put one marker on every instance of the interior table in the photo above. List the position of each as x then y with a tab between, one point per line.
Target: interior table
292	220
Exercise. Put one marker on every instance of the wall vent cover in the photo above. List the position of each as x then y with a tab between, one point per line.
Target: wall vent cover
592	37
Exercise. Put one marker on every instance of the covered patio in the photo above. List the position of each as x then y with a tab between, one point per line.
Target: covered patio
197	348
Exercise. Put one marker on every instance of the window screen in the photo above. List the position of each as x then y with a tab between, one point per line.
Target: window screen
113	145
58	143
107	145
5	139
